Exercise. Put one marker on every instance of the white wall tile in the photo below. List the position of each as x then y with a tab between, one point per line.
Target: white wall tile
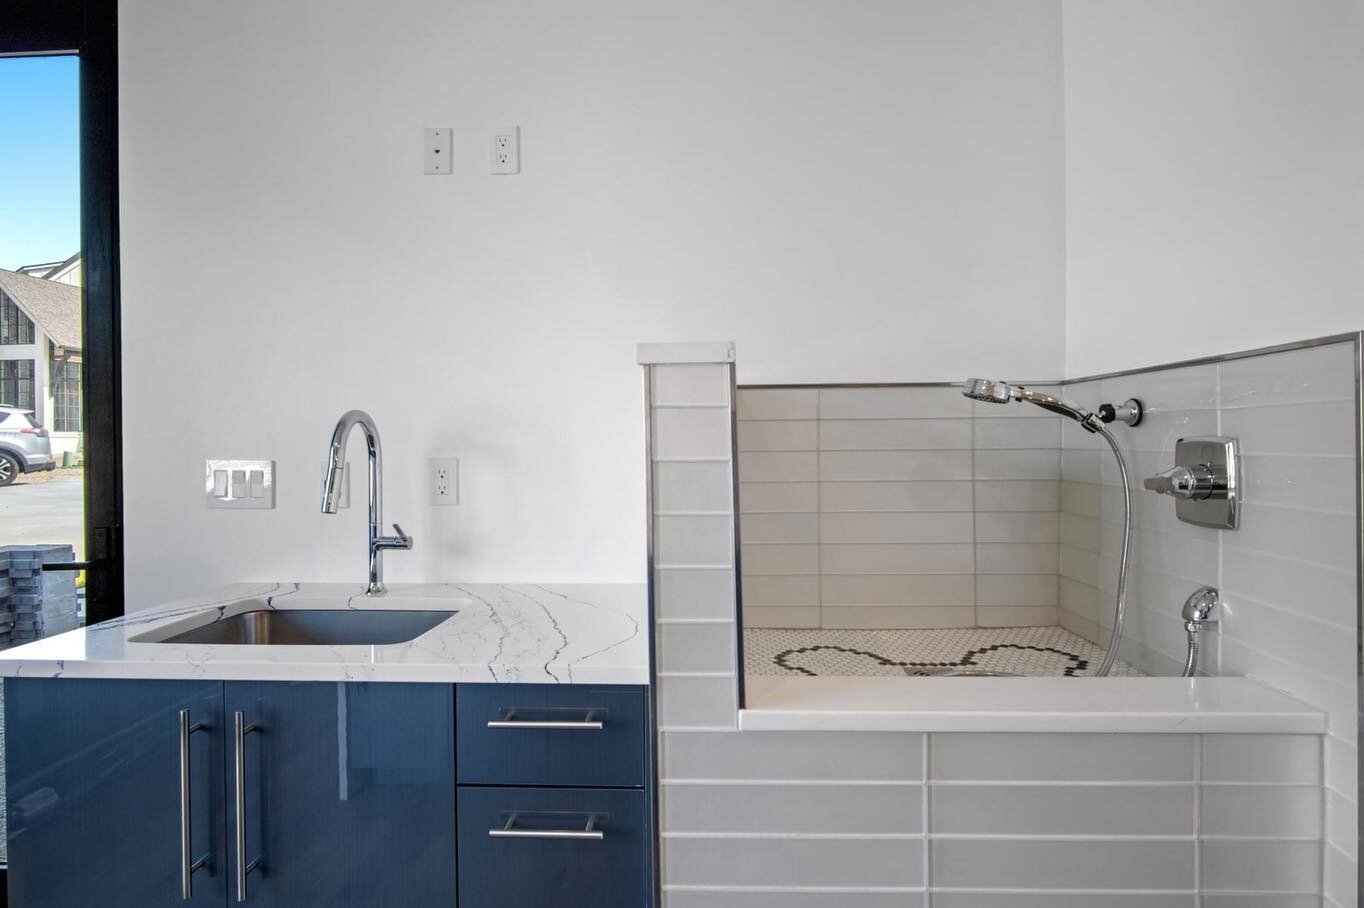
778	403
1060	899
1016	616
778	466
1023	495
784	898
1262	758
894	434
1018	465
696	647
852	466
1027	526
789	528
778	497
898	589
691	540
1016	589
1261	810
778	435
1309	428
1298	376
1016	433
703	383
895	496
780	559
1017	558
691	702
782	617
897	559
1078	864
784	590
870	617
794	755
794	862
898	527
1085	810
1274	866
795	809
893	403
683	486
692	432
684	593
1062	757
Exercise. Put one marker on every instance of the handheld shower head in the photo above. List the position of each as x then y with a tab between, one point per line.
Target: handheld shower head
997	392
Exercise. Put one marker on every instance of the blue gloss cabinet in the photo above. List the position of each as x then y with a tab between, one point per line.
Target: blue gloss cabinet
350	794
348	801
94	792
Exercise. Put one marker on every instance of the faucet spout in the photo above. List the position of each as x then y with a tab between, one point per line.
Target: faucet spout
331	491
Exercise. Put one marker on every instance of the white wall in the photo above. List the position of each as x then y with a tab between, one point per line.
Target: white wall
1214	176
849	192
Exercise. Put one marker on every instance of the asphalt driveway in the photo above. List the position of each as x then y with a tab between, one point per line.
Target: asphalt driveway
44	512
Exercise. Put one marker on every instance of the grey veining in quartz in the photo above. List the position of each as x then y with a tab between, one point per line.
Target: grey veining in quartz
504	633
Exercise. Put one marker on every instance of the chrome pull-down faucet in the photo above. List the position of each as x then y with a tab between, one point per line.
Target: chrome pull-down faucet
331	492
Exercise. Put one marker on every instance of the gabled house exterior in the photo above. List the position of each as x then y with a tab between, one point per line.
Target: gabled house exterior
40	347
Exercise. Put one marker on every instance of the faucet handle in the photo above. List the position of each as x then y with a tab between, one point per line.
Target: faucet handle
403	538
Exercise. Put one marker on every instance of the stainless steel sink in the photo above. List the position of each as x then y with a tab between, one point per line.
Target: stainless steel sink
315	627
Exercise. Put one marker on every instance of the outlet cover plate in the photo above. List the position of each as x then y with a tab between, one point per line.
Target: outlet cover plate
239	484
443	479
506	150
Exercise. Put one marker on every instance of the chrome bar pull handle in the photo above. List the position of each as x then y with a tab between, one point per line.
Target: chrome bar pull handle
188	865
589	722
589	832
241	729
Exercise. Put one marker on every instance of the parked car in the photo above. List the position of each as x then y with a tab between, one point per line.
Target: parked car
24	445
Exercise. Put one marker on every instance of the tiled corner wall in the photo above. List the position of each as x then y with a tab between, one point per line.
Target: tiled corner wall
1287	576
874	820
903	506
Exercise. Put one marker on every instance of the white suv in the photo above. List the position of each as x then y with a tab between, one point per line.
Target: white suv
24	445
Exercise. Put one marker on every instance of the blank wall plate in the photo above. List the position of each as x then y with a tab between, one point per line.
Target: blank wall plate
443	478
506	149
436	150
248	484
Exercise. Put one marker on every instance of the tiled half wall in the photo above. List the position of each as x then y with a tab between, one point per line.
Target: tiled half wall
871	820
903	506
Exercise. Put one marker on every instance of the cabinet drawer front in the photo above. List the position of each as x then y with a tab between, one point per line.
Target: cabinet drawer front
538	734
552	848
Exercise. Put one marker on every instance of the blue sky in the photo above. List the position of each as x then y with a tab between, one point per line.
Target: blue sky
39	160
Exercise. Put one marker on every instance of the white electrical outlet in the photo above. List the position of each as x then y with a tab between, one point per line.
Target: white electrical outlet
437	148
506	150
443	475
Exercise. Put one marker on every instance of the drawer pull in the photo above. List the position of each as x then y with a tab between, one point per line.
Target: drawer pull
589	722
509	831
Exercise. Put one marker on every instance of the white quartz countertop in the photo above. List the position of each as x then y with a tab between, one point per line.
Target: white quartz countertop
1175	705
517	633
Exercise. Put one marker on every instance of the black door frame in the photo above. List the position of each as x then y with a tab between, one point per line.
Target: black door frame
89	28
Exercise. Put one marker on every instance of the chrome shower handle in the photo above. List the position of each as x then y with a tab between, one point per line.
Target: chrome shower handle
1197	482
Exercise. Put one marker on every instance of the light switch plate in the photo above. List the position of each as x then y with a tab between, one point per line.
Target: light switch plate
239	484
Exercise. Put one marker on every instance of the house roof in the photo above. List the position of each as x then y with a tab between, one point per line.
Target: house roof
56	307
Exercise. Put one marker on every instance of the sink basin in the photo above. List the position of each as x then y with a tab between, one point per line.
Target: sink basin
315	627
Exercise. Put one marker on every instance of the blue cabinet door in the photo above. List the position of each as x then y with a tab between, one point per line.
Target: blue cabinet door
96	798
348	798
552	848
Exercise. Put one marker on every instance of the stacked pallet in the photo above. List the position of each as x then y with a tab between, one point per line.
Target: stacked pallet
33	603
